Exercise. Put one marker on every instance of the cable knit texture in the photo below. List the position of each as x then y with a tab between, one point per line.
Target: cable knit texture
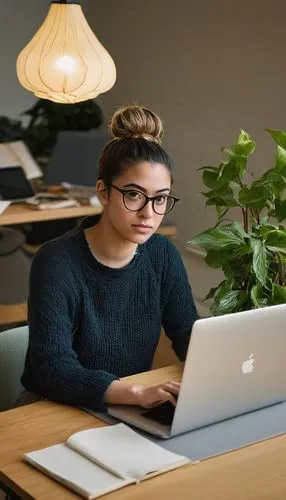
90	324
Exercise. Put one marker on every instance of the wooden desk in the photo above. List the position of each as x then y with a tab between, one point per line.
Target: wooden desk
20	213
256	472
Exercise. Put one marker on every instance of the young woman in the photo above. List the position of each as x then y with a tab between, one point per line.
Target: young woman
100	294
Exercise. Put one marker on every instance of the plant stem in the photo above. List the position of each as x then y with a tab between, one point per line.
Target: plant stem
255	215
281	271
246	215
244	222
245	218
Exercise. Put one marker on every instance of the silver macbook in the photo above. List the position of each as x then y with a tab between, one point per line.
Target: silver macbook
235	364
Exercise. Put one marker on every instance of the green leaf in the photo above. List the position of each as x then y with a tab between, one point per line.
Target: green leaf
238	153
215	258
275	182
244	146
280	160
206	167
259	299
235	161
265	229
238	229
276	241
254	197
221	211
219	238
227	173
210	177
259	260
221	196
280	210
235	187
279	136
230	302
279	294
283	261
215	201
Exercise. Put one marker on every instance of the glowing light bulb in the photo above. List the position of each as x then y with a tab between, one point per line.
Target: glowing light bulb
66	64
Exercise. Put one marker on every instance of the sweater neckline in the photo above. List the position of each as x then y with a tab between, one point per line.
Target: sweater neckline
98	267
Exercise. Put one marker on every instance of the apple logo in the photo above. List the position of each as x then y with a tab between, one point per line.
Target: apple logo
247	365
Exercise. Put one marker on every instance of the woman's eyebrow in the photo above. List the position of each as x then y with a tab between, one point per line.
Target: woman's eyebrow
141	188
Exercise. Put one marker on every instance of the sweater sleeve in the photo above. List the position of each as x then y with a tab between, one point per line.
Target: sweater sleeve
56	370
179	313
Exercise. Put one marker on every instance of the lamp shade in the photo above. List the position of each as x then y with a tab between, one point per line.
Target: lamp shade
64	62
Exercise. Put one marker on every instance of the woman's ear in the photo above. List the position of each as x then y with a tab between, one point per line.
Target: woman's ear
102	193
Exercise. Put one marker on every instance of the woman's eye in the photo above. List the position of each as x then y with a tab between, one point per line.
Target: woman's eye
160	200
134	195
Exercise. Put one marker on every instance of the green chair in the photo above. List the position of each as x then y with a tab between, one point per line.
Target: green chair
13	347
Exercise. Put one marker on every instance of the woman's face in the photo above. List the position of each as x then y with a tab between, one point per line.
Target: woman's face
152	179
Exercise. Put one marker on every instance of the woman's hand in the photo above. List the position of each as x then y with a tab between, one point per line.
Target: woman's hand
123	393
153	396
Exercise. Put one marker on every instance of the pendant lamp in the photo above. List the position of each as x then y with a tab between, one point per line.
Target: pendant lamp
64	62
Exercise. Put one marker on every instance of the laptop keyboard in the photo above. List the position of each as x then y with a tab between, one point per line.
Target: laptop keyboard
163	413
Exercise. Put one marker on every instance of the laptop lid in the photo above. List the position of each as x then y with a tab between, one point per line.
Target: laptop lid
14	186
235	364
75	157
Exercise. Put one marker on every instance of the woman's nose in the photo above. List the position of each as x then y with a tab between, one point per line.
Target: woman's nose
147	211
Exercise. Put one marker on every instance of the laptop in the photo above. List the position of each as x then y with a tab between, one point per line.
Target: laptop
14	185
235	364
75	158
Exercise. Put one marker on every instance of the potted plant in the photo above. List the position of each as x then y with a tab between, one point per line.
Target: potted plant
252	251
10	129
47	119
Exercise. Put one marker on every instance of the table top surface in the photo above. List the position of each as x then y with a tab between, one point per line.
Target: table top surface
21	213
252	473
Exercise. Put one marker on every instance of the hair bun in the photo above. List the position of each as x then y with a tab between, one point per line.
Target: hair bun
136	121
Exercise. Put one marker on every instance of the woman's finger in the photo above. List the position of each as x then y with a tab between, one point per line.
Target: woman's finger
174	389
167	396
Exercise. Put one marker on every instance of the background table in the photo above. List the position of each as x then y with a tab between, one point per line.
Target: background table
20	213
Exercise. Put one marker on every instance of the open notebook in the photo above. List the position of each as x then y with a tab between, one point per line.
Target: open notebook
96	461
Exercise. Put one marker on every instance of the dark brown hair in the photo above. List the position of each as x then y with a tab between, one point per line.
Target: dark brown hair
137	132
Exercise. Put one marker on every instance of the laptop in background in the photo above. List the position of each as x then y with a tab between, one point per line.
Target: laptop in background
75	157
14	185
235	364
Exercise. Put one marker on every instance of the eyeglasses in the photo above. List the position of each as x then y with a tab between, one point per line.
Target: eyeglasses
136	200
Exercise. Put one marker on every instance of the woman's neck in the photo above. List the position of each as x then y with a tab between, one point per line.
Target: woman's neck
107	245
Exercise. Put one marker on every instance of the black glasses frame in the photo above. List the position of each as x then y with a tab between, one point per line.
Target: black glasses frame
147	199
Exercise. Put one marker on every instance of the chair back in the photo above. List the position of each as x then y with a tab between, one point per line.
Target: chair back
13	347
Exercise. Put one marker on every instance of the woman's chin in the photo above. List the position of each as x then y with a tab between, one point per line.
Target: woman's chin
139	239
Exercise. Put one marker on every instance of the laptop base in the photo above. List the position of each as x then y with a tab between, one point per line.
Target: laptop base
133	415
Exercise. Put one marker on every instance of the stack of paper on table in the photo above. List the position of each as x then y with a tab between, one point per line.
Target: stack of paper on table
16	153
97	461
4	205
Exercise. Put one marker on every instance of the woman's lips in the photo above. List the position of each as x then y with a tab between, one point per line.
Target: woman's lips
142	228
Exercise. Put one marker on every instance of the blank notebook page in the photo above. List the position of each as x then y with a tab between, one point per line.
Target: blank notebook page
124	450
75	471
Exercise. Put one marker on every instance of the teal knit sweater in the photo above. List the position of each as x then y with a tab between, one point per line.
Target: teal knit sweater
90	324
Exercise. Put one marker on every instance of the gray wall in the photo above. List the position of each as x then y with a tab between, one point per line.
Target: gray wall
208	67
15	34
